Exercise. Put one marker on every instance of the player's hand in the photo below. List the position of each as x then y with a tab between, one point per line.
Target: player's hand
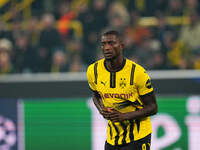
105	112
116	116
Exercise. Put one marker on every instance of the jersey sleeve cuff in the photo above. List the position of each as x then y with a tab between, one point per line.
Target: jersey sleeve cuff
148	94
92	89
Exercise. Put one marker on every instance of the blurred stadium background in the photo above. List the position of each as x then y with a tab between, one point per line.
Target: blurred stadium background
46	46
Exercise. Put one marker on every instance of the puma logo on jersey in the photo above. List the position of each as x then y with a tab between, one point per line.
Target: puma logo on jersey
104	83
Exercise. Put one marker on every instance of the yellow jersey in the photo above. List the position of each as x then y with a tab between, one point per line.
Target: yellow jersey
122	90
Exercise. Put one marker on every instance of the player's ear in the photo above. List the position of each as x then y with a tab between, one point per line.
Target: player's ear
121	45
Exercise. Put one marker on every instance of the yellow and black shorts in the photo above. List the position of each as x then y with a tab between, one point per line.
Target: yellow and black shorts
142	144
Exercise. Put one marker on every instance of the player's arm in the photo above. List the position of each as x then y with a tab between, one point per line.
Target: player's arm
93	87
95	95
104	111
149	108
97	101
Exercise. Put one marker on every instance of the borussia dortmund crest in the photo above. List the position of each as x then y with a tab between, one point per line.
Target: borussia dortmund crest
122	83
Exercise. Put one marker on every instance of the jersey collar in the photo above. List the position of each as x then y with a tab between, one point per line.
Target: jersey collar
122	66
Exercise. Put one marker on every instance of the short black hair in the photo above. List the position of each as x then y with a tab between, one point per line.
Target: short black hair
112	32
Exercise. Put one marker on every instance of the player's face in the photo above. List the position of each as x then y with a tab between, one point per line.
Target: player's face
111	47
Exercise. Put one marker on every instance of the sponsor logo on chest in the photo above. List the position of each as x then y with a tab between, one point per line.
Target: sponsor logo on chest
116	95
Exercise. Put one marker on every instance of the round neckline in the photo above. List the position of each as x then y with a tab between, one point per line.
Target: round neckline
122	66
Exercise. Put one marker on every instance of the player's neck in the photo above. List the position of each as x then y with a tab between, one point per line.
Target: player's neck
114	64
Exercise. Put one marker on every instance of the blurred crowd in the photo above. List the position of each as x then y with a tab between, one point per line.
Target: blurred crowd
67	39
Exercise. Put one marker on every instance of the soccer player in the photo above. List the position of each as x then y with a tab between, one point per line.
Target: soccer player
123	94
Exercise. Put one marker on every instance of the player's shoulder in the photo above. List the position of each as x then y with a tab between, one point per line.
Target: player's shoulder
91	66
137	66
